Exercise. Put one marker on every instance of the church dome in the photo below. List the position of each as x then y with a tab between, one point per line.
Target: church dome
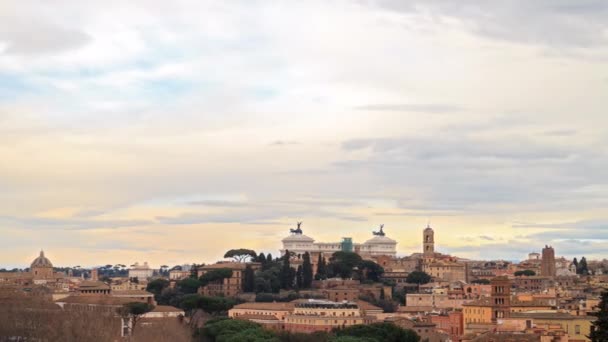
41	261
428	228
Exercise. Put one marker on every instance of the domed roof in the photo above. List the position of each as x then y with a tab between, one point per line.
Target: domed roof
41	261
428	228
380	240
298	238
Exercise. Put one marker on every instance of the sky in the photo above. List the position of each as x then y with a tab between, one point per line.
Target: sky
172	131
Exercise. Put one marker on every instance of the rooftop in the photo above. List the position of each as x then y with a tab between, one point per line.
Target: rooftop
267	306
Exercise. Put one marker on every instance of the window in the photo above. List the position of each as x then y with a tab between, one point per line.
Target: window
577	329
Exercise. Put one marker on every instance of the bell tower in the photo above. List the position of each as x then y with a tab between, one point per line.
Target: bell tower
428	242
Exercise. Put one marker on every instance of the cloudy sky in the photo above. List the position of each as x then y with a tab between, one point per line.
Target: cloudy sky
171	131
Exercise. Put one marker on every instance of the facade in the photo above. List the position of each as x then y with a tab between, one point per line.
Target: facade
229	287
532	283
547	265
450	323
501	305
141	272
178	274
299	243
320	315
270	315
424	328
446	270
576	327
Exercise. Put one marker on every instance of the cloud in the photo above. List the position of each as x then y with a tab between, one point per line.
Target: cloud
556	24
421	108
130	111
44	223
283	143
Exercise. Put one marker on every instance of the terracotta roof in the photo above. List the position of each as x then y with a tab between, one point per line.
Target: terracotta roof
132	293
166	308
367	306
258	317
230	265
550	315
289	306
95	300
93	285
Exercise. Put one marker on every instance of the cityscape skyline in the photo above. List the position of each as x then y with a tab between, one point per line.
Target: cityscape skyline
172	132
333	245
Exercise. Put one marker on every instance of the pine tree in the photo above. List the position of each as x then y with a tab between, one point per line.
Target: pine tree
269	258
300	277
286	273
262	259
249	281
599	330
321	269
582	267
575	262
306	271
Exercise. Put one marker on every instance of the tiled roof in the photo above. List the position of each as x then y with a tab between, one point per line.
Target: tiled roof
289	306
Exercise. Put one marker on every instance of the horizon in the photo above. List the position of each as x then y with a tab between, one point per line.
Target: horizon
173	132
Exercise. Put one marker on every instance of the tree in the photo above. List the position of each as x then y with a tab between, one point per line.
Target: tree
575	262
299	277
249	279
215	275
269	258
582	267
286	273
342	264
370	271
321	269
418	277
240	255
353	339
236	330
189	285
599	331
381	332
527	273
306	271
156	286
132	312
262	259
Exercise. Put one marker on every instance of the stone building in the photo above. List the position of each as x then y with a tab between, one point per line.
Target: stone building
228	287
547	265
41	267
141	272
299	243
320	315
428	242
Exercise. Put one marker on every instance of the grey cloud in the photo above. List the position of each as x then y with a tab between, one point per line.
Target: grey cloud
461	147
283	143
219	203
69	223
487	238
561	133
422	108
36	36
464	173
585	224
552	23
